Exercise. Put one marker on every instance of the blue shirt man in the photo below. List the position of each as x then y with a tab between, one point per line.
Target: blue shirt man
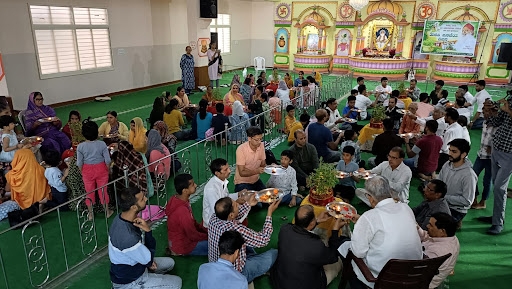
222	274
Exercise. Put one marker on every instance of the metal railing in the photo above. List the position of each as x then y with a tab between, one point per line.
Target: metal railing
55	242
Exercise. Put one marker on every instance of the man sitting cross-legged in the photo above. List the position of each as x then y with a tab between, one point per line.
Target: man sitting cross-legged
305	158
131	256
396	172
216	188
186	236
304	260
388	231
226	217
434	192
217	275
439	241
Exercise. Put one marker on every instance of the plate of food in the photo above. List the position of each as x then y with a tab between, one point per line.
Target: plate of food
269	195
364	175
401	111
33	140
341	210
349	120
193	105
247	194
342	175
48	119
409	135
274	170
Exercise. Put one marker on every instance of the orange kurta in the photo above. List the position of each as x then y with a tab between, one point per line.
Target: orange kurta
28	184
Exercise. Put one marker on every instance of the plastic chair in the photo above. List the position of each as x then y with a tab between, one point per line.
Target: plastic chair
259	64
396	274
21	118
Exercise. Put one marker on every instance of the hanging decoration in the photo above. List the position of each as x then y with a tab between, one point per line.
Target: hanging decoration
358	4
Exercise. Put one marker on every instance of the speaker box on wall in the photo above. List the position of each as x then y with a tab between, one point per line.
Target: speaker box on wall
208	8
505	54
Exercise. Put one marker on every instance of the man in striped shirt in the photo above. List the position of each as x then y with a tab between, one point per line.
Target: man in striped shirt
227	217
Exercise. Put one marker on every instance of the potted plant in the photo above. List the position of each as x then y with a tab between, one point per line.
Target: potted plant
378	114
217	96
403	91
321	183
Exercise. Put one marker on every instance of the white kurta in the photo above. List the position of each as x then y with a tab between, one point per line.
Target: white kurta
213	70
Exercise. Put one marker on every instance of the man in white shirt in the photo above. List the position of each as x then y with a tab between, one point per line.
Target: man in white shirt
480	97
383	91
334	114
452	131
459	105
360	81
216	188
363	102
388	231
463	90
437	115
396	172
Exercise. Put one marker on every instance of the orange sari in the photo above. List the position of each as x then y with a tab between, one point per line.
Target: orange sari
28	184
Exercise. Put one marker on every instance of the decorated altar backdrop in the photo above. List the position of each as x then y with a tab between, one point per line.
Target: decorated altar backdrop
385	38
450	37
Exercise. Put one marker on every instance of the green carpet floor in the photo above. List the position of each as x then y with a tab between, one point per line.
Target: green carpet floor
483	259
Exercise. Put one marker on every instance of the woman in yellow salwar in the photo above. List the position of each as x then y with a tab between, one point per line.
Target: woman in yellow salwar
138	135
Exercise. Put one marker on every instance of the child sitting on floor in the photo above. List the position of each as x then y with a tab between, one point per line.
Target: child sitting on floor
346	188
219	122
287	181
350	140
56	178
9	140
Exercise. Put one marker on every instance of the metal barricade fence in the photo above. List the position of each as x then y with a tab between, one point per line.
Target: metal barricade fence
55	242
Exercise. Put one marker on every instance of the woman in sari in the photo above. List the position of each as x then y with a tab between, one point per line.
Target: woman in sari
213	64
41	120
187	70
263	77
126	156
233	95
246	90
288	80
138	135
275	104
237	133
26	179
115	129
73	129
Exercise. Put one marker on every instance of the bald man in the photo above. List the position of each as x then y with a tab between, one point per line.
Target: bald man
303	260
321	137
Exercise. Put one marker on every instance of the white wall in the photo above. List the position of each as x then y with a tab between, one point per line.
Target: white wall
148	38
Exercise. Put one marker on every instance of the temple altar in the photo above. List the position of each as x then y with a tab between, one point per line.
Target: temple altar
384	38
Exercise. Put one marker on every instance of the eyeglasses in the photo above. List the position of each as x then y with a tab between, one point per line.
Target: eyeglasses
257	139
393	158
429	189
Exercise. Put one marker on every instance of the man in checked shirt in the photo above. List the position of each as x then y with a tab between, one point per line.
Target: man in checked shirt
226	218
501	154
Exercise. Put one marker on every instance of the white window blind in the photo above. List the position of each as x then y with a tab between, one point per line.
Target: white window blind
222	25
70	40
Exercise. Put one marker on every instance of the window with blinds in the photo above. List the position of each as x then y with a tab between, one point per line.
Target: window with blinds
222	25
70	40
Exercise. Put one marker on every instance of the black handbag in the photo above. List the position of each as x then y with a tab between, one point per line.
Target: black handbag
20	216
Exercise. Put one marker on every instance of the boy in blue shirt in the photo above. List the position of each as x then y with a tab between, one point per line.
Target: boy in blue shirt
55	179
346	189
351	111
